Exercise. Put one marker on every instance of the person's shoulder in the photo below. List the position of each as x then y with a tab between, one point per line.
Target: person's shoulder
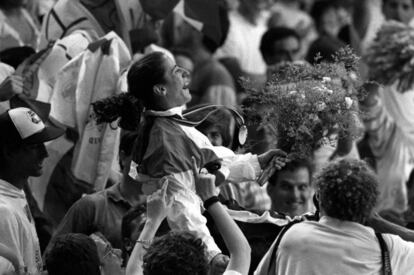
397	244
7	213
163	128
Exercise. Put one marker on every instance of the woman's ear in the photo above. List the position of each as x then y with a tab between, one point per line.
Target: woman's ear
160	90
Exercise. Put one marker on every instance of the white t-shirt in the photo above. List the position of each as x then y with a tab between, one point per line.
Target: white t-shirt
243	43
331	246
17	229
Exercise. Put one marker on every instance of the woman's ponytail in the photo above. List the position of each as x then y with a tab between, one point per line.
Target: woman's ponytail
124	106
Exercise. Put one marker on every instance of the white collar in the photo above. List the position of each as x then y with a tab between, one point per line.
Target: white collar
344	225
9	190
169	112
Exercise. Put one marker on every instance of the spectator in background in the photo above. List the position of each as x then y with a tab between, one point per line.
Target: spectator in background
290	189
210	81
73	254
392	149
17	27
183	59
103	211
287	13
109	257
399	10
247	25
279	45
22	152
326	18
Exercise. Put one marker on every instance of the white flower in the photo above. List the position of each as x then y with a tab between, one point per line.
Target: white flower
348	102
353	75
326	79
329	91
292	92
320	106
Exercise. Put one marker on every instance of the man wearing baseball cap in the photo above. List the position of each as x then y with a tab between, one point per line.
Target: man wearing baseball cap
22	134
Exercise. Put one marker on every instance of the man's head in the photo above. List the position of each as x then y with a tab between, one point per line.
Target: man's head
290	188
176	253
279	44
347	190
399	10
326	17
22	134
73	254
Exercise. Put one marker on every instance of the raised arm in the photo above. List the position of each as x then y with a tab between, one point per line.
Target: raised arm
235	241
157	209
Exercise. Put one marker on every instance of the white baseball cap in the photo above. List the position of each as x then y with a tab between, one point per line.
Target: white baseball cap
23	125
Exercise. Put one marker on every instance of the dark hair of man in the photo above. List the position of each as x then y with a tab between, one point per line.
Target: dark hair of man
142	77
73	253
178	253
296	162
320	7
348	190
273	35
210	44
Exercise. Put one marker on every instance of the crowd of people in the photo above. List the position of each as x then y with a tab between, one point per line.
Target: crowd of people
124	146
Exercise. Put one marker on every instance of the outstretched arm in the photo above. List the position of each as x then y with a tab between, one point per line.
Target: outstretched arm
235	241
381	225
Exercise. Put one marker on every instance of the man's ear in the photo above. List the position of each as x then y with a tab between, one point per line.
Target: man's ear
160	90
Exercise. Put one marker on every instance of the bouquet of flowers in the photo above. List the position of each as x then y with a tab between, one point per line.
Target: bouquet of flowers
391	56
306	105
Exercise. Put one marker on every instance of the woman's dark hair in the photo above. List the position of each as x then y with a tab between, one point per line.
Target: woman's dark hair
178	253
143	75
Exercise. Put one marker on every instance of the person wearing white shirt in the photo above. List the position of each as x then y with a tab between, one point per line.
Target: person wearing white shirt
340	242
22	134
247	25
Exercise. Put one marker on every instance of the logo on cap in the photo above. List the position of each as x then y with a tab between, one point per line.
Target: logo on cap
34	117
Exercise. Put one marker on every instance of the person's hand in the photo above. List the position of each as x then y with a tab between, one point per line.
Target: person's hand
219	264
157	204
277	158
204	182
11	86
